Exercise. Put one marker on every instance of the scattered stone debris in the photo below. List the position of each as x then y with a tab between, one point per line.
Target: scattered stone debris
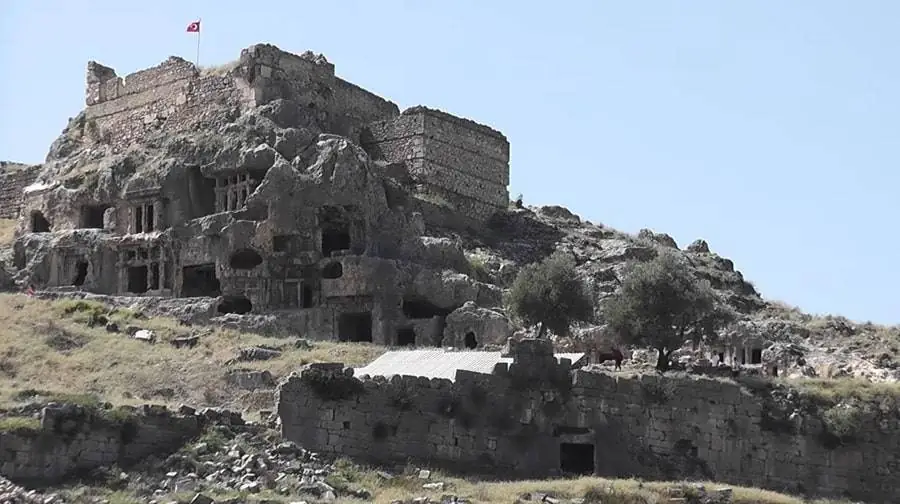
10	493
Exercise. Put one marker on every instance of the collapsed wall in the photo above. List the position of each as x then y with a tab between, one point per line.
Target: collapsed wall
14	178
536	418
72	439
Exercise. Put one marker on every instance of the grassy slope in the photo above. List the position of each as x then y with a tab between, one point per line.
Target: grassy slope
48	346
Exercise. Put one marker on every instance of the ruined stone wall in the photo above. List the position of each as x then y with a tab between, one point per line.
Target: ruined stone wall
452	159
14	178
636	425
72	439
170	95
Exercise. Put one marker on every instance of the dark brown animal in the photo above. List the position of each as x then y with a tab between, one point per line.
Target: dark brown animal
614	355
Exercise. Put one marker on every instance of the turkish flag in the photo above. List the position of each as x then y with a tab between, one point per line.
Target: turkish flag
194	27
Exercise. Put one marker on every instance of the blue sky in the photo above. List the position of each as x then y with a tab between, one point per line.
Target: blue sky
768	128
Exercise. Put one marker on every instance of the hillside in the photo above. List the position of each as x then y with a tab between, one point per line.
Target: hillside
51	353
197	236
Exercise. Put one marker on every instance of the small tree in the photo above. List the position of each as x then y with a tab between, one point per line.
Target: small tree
661	304
549	293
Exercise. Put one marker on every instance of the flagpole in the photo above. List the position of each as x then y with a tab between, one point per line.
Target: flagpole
199	29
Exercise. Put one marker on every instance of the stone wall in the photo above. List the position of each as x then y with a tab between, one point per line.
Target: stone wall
456	160
121	110
72	439
14	178
534	419
175	93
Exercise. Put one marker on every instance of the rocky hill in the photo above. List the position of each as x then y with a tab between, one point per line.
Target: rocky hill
220	193
268	199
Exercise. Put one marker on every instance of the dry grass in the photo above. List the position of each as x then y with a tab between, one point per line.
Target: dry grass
836	390
7	229
48	347
218	70
610	491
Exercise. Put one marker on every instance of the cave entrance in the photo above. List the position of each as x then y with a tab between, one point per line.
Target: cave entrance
355	327
756	356
81	269
406	336
334	238
245	259
235	304
470	341
137	279
39	223
576	458
417	308
200	281
306	296
92	216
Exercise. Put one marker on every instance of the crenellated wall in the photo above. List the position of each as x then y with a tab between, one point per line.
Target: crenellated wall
535	416
455	160
14	178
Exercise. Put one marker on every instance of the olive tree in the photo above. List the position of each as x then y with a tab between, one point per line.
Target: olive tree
550	294
662	304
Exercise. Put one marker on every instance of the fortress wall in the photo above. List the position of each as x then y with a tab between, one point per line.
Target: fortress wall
643	426
364	106
459	160
14	178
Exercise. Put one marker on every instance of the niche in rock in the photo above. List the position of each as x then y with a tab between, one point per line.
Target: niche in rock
92	216
81	269
470	341
245	259
202	191
235	304
576	458
306	296
39	223
756	356
335	238
137	279
200	281
355	327
418	308
334	223
406	336
333	270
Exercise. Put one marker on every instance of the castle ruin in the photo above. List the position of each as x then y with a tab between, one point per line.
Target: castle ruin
273	186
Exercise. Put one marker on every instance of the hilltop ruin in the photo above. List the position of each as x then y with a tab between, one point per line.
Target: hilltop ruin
272	186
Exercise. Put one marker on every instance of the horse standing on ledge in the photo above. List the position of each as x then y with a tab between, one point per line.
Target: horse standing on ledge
615	355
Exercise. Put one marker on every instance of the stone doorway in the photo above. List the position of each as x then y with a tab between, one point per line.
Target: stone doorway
576	458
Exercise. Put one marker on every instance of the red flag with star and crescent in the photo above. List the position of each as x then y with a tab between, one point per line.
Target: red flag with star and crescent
194	27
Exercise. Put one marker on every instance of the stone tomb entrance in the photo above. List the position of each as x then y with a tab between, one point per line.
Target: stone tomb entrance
355	327
200	280
577	451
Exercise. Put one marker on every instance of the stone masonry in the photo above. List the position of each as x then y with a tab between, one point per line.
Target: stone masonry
537	418
456	160
14	178
73	438
251	184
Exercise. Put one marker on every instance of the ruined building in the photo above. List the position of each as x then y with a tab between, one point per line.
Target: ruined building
536	414
273	186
